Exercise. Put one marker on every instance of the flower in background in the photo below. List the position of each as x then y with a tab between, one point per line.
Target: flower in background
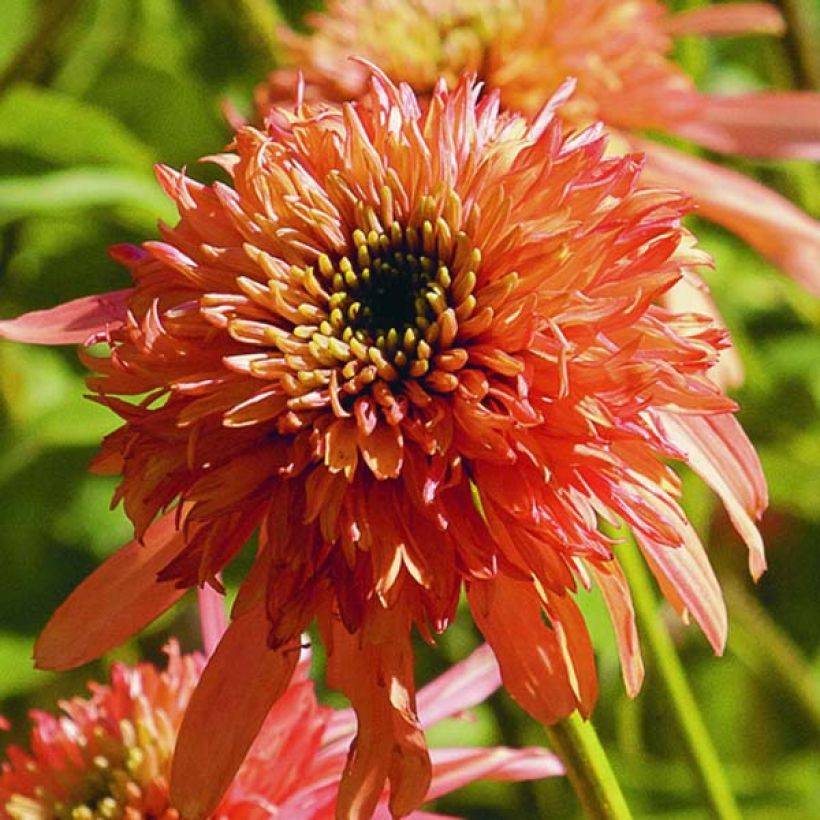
420	353
110	755
619	51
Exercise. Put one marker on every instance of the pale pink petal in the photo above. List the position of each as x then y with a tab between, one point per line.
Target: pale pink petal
114	602
242	680
720	452
691	295
72	323
212	620
454	768
767	221
615	591
778	124
684	573
728	19
461	687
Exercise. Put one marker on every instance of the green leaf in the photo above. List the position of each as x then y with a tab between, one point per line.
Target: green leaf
64	130
78	188
19	674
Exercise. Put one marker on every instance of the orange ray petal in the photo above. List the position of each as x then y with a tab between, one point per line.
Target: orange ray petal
72	323
114	602
734	18
510	616
242	680
720	452
767	221
781	124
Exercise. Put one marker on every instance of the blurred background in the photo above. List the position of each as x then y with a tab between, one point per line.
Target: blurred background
92	93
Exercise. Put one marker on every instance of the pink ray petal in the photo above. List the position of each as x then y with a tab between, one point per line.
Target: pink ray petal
779	124
720	452
767	221
242	680
76	322
114	602
454	768
212	620
733	18
463	686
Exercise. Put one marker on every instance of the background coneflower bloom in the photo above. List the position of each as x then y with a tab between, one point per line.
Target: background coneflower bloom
420	353
109	756
619	51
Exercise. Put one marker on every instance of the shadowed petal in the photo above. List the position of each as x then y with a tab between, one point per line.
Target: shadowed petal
767	221
509	614
242	680
782	124
734	18
114	602
720	452
72	323
389	745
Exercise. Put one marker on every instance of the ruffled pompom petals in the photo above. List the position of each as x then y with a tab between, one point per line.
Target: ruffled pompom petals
81	321
719	451
767	221
114	602
454	768
615	591
775	125
389	744
548	669
726	20
242	680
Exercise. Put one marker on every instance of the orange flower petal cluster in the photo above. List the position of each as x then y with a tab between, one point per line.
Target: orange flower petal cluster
109	756
620	53
420	353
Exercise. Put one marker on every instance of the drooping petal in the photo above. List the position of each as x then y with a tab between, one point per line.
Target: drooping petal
767	221
389	745
509	614
684	573
114	602
615	591
782	124
726	19
242	680
72	323
462	686
720	452
454	768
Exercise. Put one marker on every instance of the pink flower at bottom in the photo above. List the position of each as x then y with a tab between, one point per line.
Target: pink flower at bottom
110	755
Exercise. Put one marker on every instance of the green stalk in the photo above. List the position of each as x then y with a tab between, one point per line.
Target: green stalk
575	741
761	645
667	664
801	36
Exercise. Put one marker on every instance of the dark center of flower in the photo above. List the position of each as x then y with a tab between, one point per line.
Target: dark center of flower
388	295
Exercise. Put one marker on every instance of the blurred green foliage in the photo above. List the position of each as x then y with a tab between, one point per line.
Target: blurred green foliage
92	92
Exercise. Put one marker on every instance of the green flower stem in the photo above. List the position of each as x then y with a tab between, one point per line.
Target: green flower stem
760	644
261	18
670	671
803	27
575	741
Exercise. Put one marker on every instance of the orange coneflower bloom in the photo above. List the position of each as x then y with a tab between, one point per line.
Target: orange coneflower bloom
110	755
420	353
619	51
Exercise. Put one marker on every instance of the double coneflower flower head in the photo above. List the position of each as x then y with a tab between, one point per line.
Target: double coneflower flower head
620	53
108	757
419	351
